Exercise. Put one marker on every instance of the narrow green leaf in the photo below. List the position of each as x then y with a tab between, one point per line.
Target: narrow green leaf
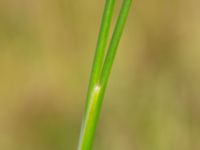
101	45
99	78
96	69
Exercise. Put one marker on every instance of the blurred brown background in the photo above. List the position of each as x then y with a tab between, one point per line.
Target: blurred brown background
152	101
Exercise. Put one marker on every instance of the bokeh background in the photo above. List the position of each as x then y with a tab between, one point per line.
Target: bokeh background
153	97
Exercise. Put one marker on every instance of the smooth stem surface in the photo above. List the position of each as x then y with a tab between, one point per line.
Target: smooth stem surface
98	86
114	42
96	68
101	45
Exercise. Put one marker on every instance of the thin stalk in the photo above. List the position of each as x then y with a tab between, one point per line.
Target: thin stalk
114	42
97	65
97	87
101	45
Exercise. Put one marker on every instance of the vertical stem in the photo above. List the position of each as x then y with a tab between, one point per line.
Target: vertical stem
99	79
101	45
96	69
114	42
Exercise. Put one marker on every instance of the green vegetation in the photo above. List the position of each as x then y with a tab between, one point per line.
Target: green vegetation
152	100
101	71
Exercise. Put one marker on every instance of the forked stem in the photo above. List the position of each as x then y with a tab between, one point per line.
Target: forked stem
100	73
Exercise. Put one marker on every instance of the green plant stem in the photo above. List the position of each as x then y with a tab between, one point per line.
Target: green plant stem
99	77
101	45
114	42
97	65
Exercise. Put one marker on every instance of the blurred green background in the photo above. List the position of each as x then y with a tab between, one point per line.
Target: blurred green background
153	97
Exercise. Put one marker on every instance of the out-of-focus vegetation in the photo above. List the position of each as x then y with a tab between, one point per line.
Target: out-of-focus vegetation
46	50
